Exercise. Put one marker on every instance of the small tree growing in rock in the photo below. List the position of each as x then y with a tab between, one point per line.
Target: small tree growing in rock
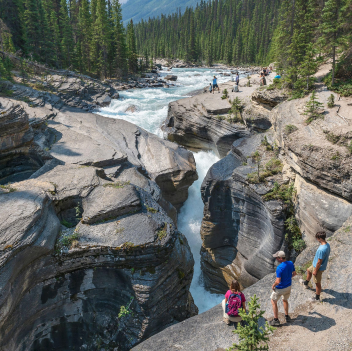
257	157
313	108
331	101
236	109
252	338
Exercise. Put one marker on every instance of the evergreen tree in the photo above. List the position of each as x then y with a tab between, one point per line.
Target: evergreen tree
252	338
331	30
313	108
132	51
120	60
66	38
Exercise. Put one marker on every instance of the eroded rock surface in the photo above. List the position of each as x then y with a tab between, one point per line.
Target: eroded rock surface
240	231
208	332
64	287
19	155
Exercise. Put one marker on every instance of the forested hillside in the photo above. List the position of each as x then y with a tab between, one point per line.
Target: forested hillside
145	9
220	30
84	35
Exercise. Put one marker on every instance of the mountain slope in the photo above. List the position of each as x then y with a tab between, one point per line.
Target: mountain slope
143	9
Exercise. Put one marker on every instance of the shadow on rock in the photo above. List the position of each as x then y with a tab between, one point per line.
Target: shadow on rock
338	298
315	323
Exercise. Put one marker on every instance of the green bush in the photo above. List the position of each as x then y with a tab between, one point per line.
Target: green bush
251	337
290	128
331	101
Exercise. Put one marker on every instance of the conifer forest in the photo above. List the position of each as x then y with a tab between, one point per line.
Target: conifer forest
88	36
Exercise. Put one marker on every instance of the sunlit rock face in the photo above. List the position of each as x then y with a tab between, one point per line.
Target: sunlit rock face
120	273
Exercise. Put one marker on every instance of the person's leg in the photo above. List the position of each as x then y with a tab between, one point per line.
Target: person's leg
318	288
275	309
225	316
309	274
285	302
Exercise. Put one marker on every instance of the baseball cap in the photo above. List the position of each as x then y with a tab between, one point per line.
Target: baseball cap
279	254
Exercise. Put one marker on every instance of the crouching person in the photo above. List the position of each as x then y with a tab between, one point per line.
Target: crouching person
234	300
285	271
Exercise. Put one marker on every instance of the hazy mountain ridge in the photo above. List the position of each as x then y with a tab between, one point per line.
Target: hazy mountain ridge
143	9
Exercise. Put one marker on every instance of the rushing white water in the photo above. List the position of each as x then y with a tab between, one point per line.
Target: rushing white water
152	105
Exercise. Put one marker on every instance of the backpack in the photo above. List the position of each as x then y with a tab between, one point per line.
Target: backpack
233	304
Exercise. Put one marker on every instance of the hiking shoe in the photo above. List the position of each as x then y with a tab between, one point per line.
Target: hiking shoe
301	281
274	323
313	300
227	321
288	319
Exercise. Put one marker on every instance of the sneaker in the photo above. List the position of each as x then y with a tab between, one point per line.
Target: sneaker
288	319
227	321
301	281
313	300
274	323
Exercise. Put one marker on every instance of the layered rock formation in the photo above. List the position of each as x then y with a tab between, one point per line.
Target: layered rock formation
19	155
208	332
240	231
118	276
194	125
90	256
318	153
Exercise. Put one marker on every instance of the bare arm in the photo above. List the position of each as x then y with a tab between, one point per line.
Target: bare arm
316	269
277	282
244	306
294	274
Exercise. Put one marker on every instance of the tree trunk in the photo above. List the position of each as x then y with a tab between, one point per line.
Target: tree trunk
333	65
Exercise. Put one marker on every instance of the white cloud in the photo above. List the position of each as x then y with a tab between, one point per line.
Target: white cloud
123	1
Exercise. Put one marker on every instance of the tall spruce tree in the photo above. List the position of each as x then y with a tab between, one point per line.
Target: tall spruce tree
132	51
331	30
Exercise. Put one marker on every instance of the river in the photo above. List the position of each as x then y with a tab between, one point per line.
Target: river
152	107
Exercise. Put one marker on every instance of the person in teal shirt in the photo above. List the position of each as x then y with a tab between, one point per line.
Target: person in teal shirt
319	265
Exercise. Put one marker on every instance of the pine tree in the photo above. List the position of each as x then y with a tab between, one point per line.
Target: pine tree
66	37
120	60
252	338
131	45
331	30
313	108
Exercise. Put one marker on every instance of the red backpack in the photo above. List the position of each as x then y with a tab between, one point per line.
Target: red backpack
233	305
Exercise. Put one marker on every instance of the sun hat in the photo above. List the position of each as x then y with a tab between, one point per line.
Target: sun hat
279	254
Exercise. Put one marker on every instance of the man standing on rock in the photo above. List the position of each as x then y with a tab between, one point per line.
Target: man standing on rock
319	266
285	271
215	84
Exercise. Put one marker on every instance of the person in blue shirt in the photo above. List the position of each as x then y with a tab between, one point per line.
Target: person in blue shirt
319	265
285	271
215	84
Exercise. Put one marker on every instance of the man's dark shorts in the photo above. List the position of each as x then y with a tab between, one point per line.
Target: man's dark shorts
215	86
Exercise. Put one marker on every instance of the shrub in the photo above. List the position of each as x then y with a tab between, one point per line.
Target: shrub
331	101
252	338
225	94
266	144
290	128
350	147
69	239
333	138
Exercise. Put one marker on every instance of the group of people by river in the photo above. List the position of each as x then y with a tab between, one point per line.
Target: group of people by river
281	288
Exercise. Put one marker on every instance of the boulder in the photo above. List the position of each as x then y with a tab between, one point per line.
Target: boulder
269	98
170	77
117	275
132	109
87	139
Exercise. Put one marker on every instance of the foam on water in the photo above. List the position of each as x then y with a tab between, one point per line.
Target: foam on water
152	106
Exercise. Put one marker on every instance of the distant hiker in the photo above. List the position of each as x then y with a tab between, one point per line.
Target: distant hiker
262	80
237	78
285	271
318	267
264	71
234	300
210	88
215	84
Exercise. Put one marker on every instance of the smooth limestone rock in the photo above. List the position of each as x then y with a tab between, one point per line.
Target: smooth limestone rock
19	155
87	139
240	231
318	154
192	122
207	331
72	294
